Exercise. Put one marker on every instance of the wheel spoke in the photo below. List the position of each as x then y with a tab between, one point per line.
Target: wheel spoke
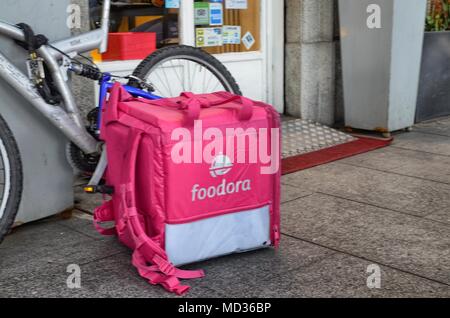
176	74
162	83
204	80
209	82
189	75
217	86
168	83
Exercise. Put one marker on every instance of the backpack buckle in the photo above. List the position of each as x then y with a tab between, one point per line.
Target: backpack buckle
164	266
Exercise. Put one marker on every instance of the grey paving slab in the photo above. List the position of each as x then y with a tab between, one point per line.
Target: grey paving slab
405	242
45	233
233	273
441	216
407	162
439	127
83	223
45	247
289	193
391	191
48	284
385	159
423	142
344	276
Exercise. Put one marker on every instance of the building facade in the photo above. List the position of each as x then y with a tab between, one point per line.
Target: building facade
292	62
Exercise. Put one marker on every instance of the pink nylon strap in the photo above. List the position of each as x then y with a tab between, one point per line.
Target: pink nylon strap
193	108
167	268
194	104
170	283
246	111
163	274
110	110
102	214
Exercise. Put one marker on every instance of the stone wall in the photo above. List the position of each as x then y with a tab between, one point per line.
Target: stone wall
310	60
339	94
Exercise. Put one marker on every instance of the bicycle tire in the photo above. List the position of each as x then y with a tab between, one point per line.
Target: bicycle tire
13	175
196	55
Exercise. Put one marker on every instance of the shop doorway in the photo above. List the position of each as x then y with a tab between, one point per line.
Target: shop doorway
246	35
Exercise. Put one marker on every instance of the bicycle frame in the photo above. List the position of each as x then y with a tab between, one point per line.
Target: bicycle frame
67	117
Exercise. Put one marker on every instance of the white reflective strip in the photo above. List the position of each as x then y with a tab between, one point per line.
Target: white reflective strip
227	234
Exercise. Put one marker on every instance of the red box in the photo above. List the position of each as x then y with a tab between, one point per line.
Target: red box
129	46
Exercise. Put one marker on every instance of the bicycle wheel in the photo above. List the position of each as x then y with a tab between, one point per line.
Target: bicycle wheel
176	69
10	178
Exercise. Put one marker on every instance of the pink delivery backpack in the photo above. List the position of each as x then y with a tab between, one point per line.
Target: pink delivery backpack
172	204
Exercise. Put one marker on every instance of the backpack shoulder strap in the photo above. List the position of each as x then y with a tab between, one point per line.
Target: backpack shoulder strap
149	258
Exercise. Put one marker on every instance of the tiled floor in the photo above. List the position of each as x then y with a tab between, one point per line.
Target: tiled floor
389	207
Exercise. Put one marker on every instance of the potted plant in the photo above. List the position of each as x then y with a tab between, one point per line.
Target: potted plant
437	15
434	94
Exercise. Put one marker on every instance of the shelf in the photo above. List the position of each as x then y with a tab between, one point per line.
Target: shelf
137	9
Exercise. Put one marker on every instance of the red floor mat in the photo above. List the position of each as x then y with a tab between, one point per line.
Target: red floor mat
317	158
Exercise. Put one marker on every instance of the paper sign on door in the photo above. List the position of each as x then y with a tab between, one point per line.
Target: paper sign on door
172	4
201	13
237	4
206	37
248	40
231	34
215	14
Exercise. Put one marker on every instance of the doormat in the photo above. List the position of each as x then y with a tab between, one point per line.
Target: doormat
307	144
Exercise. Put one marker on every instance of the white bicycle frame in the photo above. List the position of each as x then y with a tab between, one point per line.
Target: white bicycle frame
65	117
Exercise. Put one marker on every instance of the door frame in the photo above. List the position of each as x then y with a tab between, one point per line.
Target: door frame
272	46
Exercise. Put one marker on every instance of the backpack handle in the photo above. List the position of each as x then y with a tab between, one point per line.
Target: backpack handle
194	104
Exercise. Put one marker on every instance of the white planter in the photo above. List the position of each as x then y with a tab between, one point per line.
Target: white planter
381	66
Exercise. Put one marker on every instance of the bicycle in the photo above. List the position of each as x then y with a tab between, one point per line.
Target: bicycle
46	88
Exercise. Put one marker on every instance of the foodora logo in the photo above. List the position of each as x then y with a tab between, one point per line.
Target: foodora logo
217	147
220	166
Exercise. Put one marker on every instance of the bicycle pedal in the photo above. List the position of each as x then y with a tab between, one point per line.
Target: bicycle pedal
103	189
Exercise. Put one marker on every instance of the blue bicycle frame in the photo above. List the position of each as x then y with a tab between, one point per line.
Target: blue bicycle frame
106	84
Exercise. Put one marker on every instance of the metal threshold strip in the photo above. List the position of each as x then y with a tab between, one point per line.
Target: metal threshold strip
303	136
